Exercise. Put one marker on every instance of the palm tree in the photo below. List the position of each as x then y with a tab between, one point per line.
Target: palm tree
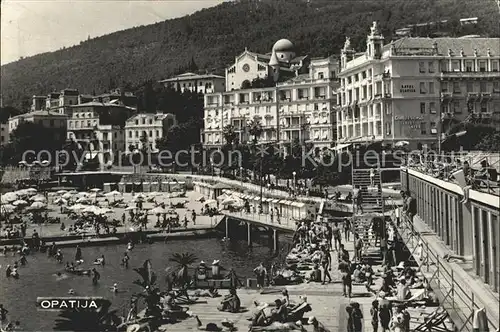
229	134
183	261
89	319
150	294
255	129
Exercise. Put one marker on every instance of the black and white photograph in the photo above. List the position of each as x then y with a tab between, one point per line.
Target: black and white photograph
250	165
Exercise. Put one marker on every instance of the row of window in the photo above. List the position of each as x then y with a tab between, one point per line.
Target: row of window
469	65
137	133
456	87
357	77
84	115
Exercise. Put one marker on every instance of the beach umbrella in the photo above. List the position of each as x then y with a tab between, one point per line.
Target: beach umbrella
73	192
9	197
82	200
31	190
200	199
61	192
157	210
38	198
128	208
402	143
7	208
60	201
105	210
154	193
229	201
77	207
211	201
67	195
20	202
113	193
94	190
91	209
82	194
37	206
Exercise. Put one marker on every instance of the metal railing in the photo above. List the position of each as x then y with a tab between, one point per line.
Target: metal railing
456	300
265	218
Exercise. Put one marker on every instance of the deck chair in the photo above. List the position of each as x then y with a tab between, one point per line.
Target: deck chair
298	312
434	322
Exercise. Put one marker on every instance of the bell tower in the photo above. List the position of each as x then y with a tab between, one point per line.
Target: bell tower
374	42
347	53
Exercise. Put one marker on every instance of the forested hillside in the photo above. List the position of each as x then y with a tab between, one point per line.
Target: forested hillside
212	37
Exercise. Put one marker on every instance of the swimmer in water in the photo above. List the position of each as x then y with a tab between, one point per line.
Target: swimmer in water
130	246
71	292
60	276
114	289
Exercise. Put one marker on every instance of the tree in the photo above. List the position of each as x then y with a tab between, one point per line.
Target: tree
229	134
255	129
27	136
150	293
144	142
89	319
183	261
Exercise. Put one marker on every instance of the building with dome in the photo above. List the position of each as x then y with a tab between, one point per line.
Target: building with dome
295	101
416	89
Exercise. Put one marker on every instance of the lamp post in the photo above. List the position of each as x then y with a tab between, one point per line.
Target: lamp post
294	182
241	176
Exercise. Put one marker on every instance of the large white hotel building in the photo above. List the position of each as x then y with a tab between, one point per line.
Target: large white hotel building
414	89
300	107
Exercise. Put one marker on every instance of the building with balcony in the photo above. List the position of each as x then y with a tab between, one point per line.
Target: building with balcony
206	83
146	128
99	128
4	133
299	108
55	121
38	103
414	89
59	102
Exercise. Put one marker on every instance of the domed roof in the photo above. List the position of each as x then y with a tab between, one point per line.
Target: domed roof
283	45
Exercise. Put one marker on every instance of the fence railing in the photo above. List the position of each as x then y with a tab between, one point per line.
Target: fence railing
456	299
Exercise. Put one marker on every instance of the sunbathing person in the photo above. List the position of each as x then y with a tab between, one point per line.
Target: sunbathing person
211	292
213	327
285	299
231	302
277	326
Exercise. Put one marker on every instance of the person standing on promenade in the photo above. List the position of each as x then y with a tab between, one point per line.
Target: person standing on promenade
374	315
347	229
261	273
358	248
337	238
326	264
193	216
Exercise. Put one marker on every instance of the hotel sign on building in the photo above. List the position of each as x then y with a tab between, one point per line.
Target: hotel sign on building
410	122
407	88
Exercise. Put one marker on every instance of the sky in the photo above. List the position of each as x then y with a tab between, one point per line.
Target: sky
31	27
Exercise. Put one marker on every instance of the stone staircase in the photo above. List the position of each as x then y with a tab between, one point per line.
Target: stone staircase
372	205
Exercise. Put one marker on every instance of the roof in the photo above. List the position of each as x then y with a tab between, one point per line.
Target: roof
191	76
98	104
468	45
283	45
159	116
40	114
